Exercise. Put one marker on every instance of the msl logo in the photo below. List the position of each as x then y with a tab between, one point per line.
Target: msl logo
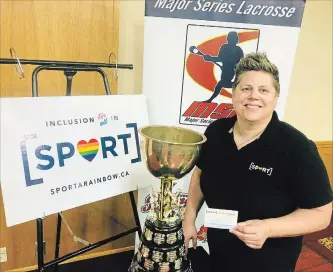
208	110
212	54
46	158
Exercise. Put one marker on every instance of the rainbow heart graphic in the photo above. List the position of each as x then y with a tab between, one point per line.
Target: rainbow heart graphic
88	150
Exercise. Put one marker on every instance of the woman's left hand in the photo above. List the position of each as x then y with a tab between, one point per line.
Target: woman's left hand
253	232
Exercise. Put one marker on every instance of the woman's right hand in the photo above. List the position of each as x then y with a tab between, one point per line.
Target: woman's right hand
190	233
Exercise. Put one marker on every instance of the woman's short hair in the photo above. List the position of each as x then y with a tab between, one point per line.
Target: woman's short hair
257	62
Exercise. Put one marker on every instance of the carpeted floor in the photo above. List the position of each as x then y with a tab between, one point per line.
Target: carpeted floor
309	261
322	242
317	253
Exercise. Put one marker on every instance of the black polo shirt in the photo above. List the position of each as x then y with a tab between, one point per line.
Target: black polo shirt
270	177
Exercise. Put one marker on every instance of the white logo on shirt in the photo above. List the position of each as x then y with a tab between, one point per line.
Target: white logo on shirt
266	170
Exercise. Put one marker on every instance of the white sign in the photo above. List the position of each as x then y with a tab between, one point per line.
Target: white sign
59	153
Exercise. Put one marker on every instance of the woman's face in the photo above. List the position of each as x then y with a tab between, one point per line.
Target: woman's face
255	96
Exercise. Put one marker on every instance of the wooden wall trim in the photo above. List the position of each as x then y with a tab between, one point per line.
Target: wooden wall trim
324	144
325	149
83	31
79	258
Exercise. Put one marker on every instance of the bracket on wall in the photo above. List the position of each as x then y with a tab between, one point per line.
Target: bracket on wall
70	69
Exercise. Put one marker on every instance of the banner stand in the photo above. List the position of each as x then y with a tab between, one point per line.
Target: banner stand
70	69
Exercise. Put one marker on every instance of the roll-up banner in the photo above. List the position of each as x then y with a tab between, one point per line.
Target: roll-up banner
190	51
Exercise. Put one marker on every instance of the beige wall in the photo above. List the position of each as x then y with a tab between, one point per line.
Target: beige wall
309	104
131	29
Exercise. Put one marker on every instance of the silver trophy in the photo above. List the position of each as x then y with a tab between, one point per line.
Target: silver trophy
170	153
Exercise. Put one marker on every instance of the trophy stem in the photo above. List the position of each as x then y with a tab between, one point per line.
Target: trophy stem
165	210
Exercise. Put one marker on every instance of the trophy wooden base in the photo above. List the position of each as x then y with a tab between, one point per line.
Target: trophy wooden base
161	248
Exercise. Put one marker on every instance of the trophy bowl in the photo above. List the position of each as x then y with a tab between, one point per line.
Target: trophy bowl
169	153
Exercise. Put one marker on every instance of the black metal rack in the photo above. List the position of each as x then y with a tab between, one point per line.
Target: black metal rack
70	69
